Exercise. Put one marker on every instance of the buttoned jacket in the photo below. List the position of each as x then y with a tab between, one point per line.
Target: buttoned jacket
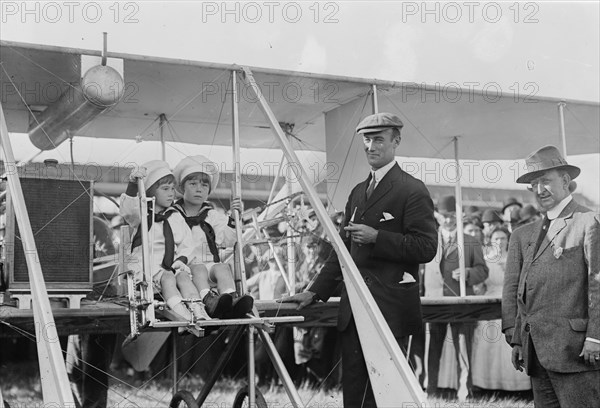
401	210
558	291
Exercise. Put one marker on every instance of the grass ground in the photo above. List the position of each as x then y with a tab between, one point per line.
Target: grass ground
20	387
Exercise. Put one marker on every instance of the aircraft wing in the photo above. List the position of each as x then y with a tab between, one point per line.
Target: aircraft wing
324	109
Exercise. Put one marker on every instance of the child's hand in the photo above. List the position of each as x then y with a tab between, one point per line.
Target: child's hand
179	266
137	173
236	204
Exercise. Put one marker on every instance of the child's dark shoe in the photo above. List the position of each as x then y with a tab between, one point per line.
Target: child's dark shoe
242	305
217	305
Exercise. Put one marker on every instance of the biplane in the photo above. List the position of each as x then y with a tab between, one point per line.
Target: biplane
208	104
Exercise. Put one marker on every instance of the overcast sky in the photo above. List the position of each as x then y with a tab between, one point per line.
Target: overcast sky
554	44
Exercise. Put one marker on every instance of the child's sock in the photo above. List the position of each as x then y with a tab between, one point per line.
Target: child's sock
203	293
199	311
176	305
229	290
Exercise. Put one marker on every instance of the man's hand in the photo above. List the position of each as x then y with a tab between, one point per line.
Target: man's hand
456	274
590	352
361	233
508	334
517	358
302	299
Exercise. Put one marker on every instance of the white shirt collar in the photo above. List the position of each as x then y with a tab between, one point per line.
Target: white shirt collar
447	236
553	213
382	171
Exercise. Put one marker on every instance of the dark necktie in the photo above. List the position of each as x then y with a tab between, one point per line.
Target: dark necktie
209	231
543	232
371	186
200	219
168	233
447	246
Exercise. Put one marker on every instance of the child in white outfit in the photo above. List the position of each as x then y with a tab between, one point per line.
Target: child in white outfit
197	177
171	247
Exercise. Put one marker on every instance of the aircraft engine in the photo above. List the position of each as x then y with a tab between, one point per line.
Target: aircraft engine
100	89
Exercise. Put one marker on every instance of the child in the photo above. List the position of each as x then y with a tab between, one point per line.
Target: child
197	177
171	245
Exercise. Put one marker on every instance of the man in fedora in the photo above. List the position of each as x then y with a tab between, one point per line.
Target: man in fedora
389	229
551	298
442	278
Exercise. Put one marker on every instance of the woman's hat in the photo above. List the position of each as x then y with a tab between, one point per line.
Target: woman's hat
196	164
491	215
544	159
155	170
511	201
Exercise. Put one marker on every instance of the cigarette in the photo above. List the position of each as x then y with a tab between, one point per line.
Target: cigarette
353	213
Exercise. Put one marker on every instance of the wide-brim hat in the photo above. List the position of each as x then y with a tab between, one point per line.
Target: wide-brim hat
196	164
155	170
544	159
378	122
511	201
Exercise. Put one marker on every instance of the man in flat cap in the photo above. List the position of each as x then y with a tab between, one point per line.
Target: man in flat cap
389	229
553	276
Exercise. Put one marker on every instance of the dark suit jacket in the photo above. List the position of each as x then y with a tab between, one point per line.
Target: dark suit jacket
558	293
403	242
475	266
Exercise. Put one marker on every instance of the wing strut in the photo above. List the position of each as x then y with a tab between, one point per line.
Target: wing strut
53	373
391	377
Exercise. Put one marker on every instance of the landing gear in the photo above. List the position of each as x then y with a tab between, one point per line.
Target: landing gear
183	397
241	399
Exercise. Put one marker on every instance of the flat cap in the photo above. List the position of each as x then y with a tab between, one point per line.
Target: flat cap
379	122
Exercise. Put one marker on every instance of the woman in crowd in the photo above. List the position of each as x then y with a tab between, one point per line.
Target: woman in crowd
492	368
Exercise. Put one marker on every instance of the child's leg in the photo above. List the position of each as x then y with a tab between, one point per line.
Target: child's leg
200	279
223	276
216	305
172	295
188	290
186	287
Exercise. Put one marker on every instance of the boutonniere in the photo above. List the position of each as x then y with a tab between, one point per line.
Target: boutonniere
386	217
558	252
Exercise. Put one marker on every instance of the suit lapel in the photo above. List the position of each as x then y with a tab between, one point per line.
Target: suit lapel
384	186
535	233
451	248
360	197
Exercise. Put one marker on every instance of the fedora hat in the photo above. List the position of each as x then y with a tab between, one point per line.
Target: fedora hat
544	159
446	205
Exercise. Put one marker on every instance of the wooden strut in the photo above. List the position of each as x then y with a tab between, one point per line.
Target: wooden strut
53	374
392	379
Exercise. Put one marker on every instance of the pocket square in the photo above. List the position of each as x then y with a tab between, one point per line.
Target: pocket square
386	217
407	278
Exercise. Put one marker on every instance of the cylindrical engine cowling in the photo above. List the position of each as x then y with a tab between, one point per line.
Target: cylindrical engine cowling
101	88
